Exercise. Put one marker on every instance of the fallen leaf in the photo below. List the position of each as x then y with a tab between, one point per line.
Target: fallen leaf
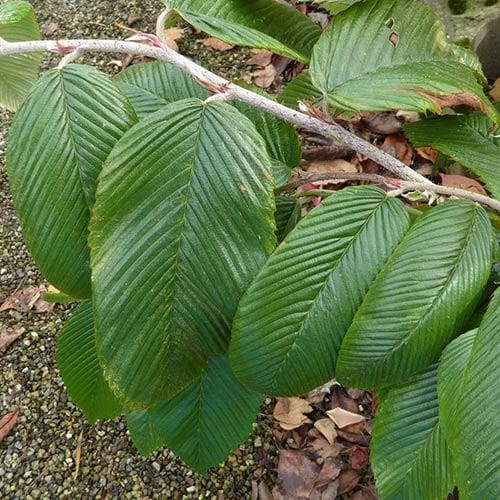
324	449
329	472
42	306
359	457
7	423
327	429
399	147
22	301
348	480
133	19
428	153
462	182
78	455
216	44
290	412
261	57
360	439
296	473
331	491
330	167
382	123
171	37
340	398
50	29
343	418
9	335
264	78
365	493
263	492
494	93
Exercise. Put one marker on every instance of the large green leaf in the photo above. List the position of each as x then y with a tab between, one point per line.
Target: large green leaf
19	72
409	455
333	6
470	416
471	140
150	86
60	137
267	24
291	321
374	56
80	369
204	423
421	299
183	222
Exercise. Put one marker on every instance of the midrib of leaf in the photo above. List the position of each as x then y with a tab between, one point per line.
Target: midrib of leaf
320	290
146	91
71	135
423	318
182	234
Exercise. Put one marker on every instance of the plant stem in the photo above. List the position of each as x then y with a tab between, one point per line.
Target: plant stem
217	84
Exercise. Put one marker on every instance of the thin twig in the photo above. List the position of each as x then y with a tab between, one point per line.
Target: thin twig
160	26
414	181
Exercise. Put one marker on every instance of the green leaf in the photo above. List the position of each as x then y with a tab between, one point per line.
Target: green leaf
300	89
150	86
471	140
333	6
409	455
80	369
374	57
183	222
290	323
288	212
471	419
204	423
60	137
266	24
17	73
281	138
421	299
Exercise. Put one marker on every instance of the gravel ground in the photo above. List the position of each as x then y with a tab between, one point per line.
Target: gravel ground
37	460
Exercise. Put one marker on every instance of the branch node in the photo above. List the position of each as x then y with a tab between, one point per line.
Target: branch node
69	58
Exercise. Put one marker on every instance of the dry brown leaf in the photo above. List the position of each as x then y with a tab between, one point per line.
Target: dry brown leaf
327	429
216	44
382	123
495	91
290	412
263	492
330	167
329	472
9	335
339	397
78	455
324	449
296	474
133	19
343	418
171	37
264	78
50	29
462	182
261	57
22	301
359	457
399	147
7	423
348	480
361	439
331	491
365	493
428	153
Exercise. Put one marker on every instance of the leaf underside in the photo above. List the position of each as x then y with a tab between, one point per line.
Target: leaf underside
291	321
79	367
471	140
204	423
61	135
183	222
18	72
375	57
409	455
259	24
421	299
